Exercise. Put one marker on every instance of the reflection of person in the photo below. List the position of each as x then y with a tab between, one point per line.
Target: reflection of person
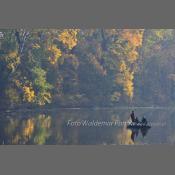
136	120
144	131
133	116
134	134
144	121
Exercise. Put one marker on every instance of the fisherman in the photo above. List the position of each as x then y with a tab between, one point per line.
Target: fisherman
144	121
137	120
133	118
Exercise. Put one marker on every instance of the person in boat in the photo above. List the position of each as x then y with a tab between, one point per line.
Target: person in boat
133	118
144	121
137	120
134	134
144	131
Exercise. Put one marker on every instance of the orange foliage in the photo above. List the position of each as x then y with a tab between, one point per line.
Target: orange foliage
134	37
124	137
69	37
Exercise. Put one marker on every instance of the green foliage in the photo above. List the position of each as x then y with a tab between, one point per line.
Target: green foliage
41	86
86	67
42	129
12	96
154	37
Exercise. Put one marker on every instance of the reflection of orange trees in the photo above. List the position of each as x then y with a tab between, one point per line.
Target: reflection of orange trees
11	126
124	137
11	131
16	139
58	135
24	131
28	128
32	130
43	132
44	121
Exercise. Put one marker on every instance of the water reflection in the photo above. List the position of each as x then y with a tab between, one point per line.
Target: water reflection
50	127
128	135
32	130
135	132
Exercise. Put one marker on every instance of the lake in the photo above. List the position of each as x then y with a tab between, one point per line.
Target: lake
95	126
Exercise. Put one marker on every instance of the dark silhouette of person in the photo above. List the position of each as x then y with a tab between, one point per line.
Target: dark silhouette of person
133	118
136	120
134	134
144	131
144	121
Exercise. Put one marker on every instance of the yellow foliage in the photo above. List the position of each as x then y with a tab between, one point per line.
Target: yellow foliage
132	56
120	79
128	88
69	37
129	75
128	84
13	54
16	139
125	78
134	37
13	60
29	94
35	46
46	97
55	54
122	66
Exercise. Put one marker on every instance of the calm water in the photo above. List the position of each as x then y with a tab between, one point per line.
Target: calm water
86	127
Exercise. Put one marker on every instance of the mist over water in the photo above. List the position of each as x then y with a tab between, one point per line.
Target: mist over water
102	126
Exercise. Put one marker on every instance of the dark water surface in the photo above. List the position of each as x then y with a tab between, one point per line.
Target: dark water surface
86	127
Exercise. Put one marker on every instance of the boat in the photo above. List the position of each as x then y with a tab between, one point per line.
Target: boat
139	125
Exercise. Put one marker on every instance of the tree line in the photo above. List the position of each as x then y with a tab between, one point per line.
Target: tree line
86	67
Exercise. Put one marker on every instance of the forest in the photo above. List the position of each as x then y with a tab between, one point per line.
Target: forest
67	68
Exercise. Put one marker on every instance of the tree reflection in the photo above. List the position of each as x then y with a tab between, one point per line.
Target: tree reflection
128	135
43	131
50	127
125	137
33	130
